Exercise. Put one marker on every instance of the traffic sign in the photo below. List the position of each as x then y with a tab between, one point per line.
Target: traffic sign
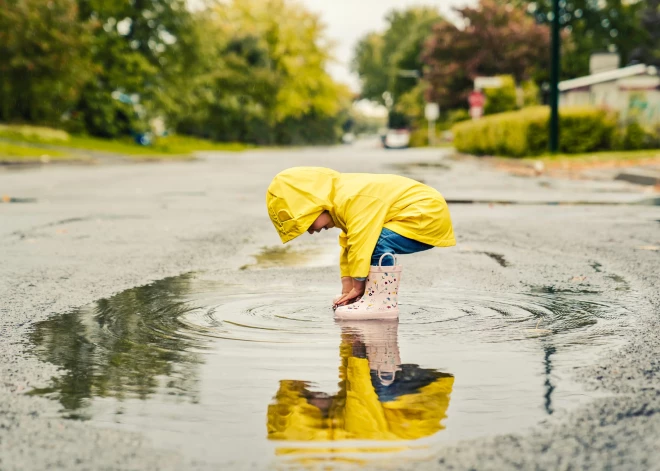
432	111
487	82
477	100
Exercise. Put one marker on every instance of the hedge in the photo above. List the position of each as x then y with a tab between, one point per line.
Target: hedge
525	132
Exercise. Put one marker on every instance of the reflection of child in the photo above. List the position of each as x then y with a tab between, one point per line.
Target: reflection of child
379	399
377	214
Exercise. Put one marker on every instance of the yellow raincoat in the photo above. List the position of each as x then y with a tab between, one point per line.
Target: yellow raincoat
360	204
356	412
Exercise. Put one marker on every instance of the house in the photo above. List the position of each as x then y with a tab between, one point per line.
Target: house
633	91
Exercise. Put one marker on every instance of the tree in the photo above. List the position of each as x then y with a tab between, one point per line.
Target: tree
594	26
380	58
43	59
649	51
496	39
139	48
264	80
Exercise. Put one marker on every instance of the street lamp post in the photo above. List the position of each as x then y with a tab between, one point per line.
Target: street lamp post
554	79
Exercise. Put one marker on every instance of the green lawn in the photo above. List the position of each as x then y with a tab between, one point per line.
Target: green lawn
10	152
597	157
177	147
181	146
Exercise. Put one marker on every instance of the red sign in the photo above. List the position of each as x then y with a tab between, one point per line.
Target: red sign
477	99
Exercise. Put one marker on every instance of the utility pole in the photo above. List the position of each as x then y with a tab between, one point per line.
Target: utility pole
554	79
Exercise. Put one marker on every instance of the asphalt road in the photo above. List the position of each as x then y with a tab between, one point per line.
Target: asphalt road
93	231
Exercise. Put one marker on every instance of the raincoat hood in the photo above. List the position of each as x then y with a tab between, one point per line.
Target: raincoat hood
297	196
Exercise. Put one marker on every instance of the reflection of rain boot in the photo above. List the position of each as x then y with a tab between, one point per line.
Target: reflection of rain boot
381	345
380	299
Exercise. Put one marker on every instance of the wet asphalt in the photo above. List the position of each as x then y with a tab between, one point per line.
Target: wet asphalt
93	231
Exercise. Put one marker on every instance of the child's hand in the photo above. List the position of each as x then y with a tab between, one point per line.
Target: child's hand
346	284
353	295
346	287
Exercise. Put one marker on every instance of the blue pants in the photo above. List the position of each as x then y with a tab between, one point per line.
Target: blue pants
391	242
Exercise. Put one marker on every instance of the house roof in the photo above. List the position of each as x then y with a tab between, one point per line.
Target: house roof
607	76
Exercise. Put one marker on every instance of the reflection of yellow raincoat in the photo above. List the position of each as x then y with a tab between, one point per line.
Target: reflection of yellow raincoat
356	411
360	204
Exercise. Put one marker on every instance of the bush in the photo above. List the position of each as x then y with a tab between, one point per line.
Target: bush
501	99
525	132
530	93
634	137
419	137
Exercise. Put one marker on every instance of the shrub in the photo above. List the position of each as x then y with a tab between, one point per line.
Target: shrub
501	99
525	132
634	136
419	137
530	93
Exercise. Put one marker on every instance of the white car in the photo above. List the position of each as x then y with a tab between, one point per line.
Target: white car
348	138
396	139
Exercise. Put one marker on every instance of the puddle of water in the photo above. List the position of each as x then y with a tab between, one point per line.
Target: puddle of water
422	165
285	256
499	258
268	378
644	202
597	267
14	199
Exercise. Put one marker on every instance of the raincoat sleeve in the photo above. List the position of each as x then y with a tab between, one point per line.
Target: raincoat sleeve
343	255
365	217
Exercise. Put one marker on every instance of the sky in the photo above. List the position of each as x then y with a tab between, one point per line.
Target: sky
348	20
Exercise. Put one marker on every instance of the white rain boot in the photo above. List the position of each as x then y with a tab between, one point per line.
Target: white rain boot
380	340
380	299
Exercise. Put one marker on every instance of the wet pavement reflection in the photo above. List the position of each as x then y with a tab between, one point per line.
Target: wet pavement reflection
379	398
121	347
234	375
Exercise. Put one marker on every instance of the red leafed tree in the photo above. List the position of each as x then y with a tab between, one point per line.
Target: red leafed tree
493	38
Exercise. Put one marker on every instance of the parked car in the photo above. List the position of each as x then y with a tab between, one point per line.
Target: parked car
348	138
396	139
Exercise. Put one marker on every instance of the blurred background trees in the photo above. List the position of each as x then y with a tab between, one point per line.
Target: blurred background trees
593	26
495	39
248	70
45	59
254	71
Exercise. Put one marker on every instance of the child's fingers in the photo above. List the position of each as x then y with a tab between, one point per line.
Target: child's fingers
344	302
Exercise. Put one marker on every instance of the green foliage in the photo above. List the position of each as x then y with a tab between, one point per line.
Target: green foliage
138	49
44	59
497	39
458	115
250	71
634	136
648	51
501	99
525	132
531	93
262	77
605	25
379	58
412	103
